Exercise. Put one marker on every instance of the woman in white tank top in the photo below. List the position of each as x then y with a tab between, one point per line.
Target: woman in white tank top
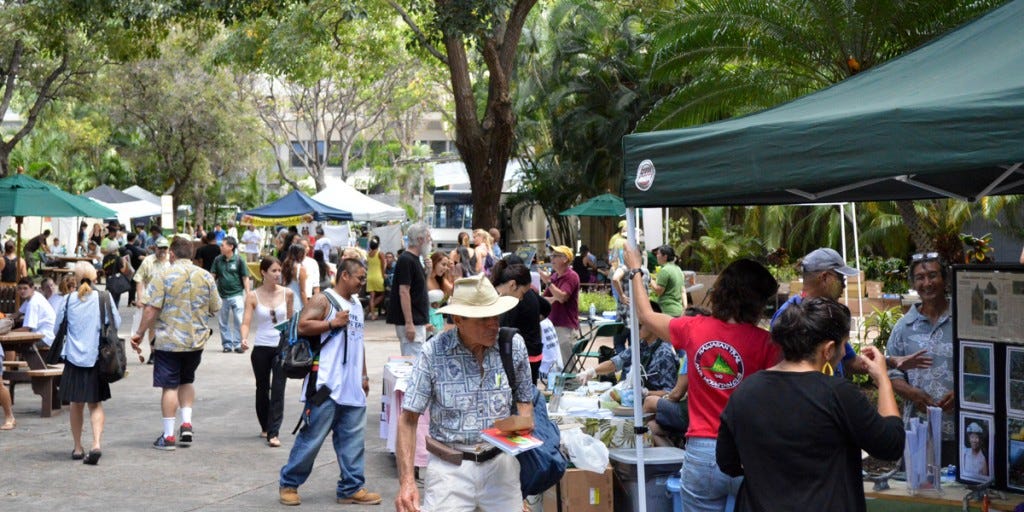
265	307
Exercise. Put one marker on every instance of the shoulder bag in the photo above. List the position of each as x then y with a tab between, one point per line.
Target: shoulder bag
53	356
542	467
111	362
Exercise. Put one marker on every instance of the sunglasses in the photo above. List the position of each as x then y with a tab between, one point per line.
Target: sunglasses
273	315
921	256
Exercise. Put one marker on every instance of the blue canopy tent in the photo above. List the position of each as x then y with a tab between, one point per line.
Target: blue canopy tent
294	208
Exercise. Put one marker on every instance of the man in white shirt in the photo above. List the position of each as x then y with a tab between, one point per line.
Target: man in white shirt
251	241
335	393
322	243
39	316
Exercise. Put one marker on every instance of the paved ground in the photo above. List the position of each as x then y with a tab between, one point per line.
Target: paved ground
228	467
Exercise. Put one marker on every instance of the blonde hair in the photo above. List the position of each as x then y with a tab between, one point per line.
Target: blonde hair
84	274
485	235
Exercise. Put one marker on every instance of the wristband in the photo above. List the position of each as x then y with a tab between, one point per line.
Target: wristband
633	273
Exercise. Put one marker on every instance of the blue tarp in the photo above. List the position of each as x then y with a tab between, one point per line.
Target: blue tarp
296	203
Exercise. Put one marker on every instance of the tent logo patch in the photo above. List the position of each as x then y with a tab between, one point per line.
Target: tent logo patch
719	364
644	175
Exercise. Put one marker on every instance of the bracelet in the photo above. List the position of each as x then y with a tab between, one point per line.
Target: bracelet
633	273
366	377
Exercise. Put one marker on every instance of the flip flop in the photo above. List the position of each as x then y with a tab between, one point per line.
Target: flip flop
77	455
92	457
9	425
274	442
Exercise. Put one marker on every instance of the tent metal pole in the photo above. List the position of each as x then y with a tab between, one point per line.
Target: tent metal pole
635	371
856	256
842	243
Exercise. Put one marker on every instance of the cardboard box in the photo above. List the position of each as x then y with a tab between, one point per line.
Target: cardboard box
580	491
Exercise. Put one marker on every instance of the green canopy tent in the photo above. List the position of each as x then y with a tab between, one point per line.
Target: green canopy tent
942	121
604	205
22	196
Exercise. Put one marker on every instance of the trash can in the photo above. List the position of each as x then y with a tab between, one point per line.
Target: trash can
675	491
660	464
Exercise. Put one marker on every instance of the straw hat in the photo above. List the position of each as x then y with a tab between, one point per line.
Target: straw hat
475	297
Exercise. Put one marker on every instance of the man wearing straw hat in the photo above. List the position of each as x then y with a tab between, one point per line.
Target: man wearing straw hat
459	376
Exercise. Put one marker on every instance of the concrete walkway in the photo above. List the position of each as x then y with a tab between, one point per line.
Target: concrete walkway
227	468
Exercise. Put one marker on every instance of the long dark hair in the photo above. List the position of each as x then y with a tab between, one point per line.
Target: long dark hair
741	292
318	256
296	253
467	262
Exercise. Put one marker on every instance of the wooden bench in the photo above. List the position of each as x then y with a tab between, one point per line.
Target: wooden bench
15	365
44	383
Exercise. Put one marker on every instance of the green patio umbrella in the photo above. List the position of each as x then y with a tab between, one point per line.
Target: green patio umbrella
604	205
22	196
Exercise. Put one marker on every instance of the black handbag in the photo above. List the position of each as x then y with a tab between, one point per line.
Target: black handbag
111	363
118	284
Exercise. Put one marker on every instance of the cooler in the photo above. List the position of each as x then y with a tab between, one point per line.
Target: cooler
660	464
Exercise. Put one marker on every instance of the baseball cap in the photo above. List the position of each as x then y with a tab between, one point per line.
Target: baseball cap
823	259
563	250
163	242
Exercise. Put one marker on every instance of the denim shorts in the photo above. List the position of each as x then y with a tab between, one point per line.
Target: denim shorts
172	369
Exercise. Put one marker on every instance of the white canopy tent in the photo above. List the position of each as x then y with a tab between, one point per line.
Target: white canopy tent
143	194
343	196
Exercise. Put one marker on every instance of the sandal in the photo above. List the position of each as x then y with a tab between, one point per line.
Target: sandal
9	425
77	455
92	457
273	442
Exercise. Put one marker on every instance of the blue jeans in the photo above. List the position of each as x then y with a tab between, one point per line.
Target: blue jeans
347	423
705	487
231	312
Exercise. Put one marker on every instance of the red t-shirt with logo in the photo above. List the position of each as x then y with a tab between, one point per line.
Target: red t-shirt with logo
720	356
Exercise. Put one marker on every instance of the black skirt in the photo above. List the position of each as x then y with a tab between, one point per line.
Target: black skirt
78	384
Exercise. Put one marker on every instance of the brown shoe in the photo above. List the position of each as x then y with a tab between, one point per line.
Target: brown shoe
290	496
363	497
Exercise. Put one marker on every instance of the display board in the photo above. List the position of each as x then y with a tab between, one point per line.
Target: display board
988	344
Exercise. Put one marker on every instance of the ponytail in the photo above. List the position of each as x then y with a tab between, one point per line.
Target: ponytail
84	288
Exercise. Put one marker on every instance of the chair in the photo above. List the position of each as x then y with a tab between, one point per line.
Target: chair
582	349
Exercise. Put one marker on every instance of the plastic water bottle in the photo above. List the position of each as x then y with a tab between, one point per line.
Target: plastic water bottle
593	310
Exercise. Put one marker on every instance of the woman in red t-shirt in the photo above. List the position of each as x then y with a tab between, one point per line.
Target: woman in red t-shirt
722	350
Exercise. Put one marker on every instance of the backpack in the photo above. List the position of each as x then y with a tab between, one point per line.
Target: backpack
111	362
299	355
540	468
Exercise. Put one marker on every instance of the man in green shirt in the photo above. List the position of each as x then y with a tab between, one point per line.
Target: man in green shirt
669	285
232	277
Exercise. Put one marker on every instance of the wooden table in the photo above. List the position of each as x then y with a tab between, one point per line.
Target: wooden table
72	259
951	499
54	272
44	379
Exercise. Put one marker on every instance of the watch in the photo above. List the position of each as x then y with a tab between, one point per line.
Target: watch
632	273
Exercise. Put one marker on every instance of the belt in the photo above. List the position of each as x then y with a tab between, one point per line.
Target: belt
482	456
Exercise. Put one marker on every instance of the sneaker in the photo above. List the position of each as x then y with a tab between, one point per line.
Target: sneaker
238	350
363	497
185	433
164	443
289	496
227	349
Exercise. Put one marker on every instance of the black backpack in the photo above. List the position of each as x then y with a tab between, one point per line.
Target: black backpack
299	355
111	362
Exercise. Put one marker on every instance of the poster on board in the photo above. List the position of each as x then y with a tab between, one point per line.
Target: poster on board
977	440
1015	453
1015	381
977	382
986	306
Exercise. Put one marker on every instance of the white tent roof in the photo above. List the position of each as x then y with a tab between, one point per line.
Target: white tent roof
143	194
454	175
132	210
343	196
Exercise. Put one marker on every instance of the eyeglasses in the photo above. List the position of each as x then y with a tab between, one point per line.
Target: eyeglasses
924	256
273	315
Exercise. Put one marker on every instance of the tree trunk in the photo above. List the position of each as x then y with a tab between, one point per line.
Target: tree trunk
918	235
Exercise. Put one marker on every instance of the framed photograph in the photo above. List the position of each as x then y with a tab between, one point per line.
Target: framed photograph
1015	453
1015	381
977	382
977	441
